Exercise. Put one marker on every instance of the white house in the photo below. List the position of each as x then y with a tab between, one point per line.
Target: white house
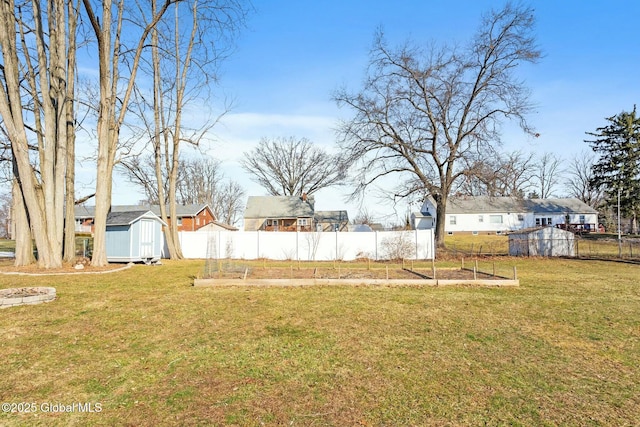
483	214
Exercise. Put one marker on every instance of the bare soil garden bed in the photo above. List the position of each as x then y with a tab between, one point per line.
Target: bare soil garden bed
293	276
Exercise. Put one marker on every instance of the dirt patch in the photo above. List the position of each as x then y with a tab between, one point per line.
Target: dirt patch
350	273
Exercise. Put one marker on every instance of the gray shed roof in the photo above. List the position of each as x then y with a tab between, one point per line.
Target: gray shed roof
278	207
485	204
181	210
127	218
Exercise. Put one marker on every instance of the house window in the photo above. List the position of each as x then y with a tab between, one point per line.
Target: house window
179	221
495	219
582	219
302	222
537	222
452	220
197	221
480	218
520	217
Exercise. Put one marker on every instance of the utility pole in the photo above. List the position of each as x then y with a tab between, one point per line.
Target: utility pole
619	228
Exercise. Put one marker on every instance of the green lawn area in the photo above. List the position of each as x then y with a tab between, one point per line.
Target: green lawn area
562	349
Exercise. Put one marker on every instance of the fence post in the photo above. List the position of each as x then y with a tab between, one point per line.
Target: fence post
376	244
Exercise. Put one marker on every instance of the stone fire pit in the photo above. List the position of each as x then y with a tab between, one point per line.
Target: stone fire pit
26	296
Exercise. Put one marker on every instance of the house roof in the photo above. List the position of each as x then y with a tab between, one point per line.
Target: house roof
421	215
181	210
215	225
485	204
278	207
129	217
538	230
332	216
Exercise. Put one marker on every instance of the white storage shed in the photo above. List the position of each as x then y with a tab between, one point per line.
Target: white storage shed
545	241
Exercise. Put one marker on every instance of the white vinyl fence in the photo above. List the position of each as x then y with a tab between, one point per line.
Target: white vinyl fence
309	246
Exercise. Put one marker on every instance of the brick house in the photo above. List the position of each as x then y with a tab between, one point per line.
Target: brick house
190	217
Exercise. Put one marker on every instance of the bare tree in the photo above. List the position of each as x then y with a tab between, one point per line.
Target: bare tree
579	177
185	52
428	115
548	173
199	181
502	175
291	166
37	66
229	204
115	95
363	217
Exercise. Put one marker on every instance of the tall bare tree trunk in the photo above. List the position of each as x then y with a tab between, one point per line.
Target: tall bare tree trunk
24	245
69	249
160	135
42	194
112	107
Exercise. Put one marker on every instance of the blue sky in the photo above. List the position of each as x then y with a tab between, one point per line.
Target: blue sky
295	54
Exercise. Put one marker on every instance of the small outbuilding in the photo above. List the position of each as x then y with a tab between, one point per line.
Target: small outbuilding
134	236
545	241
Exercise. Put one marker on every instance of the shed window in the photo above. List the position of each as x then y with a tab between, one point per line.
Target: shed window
495	219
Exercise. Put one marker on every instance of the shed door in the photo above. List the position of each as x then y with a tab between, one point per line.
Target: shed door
146	238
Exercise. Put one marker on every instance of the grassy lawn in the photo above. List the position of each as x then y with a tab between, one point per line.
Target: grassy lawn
563	349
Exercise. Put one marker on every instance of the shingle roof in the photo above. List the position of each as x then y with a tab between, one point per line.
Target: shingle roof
485	204
278	207
126	218
181	210
332	216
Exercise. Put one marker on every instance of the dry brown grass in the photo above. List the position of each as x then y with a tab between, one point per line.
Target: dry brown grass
563	349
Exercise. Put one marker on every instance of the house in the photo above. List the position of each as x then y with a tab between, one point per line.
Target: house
291	213
217	226
422	221
134	236
484	214
190	217
331	220
279	213
545	241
